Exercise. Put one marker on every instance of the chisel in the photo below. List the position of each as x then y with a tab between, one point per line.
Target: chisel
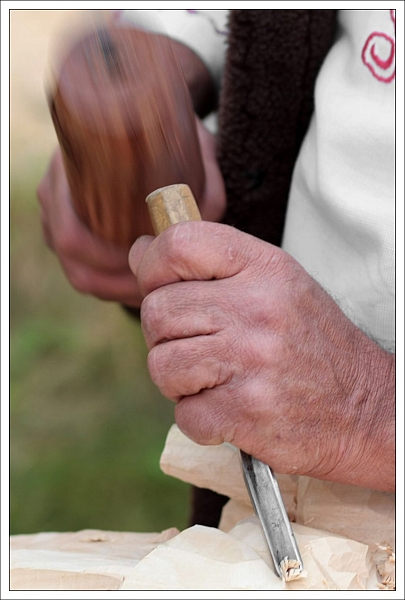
174	204
123	117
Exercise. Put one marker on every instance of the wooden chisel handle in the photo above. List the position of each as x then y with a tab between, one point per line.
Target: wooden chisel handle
170	205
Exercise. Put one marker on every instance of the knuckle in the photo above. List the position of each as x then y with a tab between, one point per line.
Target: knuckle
157	366
151	312
199	423
153	363
175	242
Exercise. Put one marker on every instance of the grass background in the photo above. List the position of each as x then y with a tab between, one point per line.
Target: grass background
87	425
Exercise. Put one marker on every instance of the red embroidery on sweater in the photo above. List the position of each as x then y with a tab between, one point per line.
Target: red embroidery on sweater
374	55
384	64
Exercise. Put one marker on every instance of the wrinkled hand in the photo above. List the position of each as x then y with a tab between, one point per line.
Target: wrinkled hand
255	353
92	265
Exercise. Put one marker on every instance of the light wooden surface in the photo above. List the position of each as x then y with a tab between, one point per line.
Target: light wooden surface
232	557
354	512
200	558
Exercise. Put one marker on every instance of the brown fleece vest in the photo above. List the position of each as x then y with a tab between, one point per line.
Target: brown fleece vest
267	99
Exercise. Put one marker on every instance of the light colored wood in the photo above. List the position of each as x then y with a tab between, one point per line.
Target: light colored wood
170	205
84	560
234	557
367	516
198	558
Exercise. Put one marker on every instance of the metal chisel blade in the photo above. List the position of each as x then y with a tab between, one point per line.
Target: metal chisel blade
269	507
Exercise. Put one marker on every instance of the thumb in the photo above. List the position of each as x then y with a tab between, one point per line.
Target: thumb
193	250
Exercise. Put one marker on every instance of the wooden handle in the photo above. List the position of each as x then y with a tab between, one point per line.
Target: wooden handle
126	126
172	204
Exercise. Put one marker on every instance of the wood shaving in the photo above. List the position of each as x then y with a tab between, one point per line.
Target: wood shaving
385	563
291	569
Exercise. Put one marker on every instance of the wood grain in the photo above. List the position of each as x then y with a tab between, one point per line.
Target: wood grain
124	120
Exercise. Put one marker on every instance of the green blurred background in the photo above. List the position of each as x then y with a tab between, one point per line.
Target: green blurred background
87	425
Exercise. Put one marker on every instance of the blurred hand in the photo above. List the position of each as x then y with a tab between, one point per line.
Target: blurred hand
255	353
92	265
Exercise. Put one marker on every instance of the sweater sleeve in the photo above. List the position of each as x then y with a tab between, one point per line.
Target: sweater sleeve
203	31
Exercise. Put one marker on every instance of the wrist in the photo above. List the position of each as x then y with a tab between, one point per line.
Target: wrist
373	403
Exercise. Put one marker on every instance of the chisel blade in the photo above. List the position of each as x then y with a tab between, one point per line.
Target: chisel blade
269	507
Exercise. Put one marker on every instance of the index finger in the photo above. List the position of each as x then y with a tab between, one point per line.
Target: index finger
193	250
69	237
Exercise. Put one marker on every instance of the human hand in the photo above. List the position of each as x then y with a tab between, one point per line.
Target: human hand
92	265
254	352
